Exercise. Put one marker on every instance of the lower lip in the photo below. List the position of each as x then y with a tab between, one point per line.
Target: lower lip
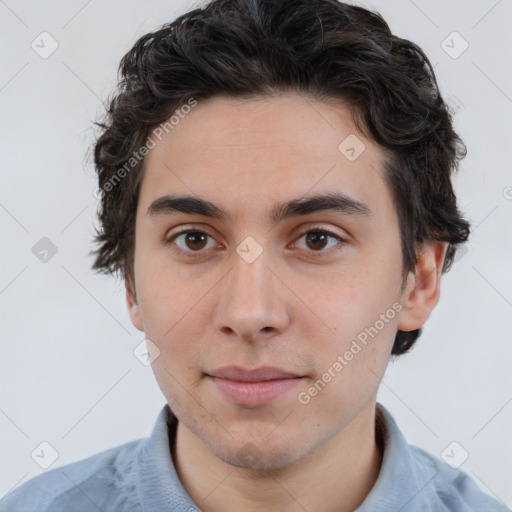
253	394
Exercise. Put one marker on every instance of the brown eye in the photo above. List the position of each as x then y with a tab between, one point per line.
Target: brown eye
196	240
191	241
316	240
319	240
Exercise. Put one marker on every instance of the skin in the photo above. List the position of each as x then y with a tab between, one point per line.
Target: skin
297	306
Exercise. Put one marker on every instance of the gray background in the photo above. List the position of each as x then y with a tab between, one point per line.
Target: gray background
68	374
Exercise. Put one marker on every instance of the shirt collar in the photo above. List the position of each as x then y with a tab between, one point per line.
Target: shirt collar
402	484
160	487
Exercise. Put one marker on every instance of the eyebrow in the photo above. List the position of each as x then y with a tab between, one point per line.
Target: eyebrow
335	202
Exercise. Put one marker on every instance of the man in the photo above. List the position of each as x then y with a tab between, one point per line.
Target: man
275	191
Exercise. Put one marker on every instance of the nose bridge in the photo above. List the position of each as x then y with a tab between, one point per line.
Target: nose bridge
250	300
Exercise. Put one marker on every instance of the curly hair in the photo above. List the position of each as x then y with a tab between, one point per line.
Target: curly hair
325	49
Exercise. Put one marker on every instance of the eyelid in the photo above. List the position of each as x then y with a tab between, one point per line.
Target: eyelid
187	229
318	227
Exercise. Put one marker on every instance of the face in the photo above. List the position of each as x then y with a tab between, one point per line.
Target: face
291	288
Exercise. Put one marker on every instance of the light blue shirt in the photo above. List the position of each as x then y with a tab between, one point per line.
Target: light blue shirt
140	477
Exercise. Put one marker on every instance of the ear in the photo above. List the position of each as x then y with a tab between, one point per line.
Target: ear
423	288
133	306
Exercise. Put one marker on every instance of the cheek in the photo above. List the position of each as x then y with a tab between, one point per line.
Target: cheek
177	329
176	324
170	297
358	309
346	304
350	368
175	312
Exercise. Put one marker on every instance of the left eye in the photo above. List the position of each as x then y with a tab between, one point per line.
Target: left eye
318	240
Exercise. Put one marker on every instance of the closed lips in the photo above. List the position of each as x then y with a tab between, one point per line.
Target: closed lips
261	374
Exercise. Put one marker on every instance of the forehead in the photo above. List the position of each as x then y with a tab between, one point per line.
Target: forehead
257	151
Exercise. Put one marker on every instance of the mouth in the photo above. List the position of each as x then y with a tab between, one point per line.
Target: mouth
253	388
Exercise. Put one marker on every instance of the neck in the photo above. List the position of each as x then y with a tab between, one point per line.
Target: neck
337	477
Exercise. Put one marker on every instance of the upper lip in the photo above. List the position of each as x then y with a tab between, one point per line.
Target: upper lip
255	375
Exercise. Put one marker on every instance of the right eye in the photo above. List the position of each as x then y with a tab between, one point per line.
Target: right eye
190	241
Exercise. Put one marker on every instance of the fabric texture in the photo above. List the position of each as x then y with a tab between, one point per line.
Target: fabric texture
140	477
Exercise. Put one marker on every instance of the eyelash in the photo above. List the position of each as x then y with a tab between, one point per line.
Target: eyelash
195	254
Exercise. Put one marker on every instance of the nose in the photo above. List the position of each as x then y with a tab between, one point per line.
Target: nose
252	302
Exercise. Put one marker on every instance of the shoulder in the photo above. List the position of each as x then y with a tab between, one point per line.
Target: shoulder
411	479
454	489
89	484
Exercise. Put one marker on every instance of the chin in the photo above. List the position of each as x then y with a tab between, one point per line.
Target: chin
259	457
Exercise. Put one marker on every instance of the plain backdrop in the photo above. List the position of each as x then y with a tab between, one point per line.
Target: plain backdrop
68	373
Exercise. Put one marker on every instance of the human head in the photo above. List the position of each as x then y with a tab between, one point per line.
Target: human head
326	50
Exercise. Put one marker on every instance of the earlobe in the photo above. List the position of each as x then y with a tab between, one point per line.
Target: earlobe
133	306
422	291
